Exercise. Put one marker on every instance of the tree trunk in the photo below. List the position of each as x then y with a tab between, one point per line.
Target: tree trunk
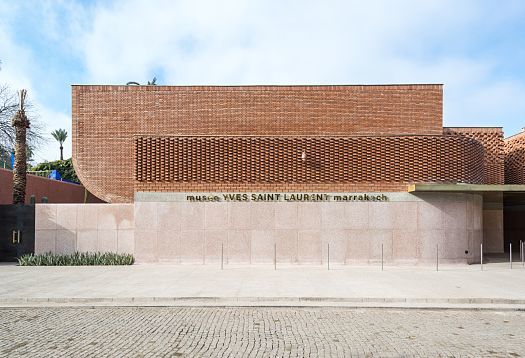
61	151
19	171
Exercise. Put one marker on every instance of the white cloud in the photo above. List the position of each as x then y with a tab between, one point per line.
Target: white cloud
17	72
50	150
285	42
501	102
15	59
297	42
263	42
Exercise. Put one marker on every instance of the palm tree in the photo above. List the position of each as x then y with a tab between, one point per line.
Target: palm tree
60	135
21	123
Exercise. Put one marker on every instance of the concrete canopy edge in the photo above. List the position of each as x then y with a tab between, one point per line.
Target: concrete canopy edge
466	188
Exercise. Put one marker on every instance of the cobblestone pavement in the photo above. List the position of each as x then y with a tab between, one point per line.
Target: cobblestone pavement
258	332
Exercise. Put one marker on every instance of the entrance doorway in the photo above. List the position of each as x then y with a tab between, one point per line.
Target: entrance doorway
17	231
513	220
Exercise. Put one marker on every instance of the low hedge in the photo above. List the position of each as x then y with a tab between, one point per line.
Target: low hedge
76	259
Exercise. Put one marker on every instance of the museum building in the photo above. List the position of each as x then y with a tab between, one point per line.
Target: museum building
263	173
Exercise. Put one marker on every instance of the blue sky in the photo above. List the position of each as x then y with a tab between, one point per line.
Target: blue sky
475	48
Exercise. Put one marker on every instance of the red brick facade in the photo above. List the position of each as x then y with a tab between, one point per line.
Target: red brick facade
251	138
515	159
244	163
492	140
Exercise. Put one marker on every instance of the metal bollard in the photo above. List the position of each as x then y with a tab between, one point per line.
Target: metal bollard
222	256
521	250
510	255
481	257
328	257
437	257
381	257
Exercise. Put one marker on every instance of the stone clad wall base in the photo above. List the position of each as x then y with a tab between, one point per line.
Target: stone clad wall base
66	228
409	228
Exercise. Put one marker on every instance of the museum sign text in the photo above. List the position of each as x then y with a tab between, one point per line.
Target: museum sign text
287	197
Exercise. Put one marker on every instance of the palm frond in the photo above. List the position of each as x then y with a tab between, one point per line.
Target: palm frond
60	135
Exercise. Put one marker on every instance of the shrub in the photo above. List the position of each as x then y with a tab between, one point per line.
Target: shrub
76	259
64	167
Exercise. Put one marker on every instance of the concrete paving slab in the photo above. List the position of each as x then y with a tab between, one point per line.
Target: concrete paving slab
349	286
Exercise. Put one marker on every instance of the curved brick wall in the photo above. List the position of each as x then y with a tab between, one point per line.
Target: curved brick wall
163	163
515	159
492	140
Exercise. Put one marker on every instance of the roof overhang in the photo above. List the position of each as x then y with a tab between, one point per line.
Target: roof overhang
467	188
491	193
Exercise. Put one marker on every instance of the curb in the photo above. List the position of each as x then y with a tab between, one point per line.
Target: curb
364	302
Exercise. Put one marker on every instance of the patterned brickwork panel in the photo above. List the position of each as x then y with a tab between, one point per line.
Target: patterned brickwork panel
174	186
515	159
492	141
337	160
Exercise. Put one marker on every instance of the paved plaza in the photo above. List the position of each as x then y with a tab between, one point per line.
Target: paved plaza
257	311
416	286
259	332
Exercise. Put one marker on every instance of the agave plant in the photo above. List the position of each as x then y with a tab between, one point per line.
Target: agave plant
76	259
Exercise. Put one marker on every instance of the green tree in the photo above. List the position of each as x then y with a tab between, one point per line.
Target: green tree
9	106
64	168
60	135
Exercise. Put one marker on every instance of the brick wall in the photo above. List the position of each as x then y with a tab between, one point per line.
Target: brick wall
515	159
105	119
56	191
492	140
260	163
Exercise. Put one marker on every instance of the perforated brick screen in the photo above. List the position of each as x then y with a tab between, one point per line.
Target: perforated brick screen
492	140
217	160
515	159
